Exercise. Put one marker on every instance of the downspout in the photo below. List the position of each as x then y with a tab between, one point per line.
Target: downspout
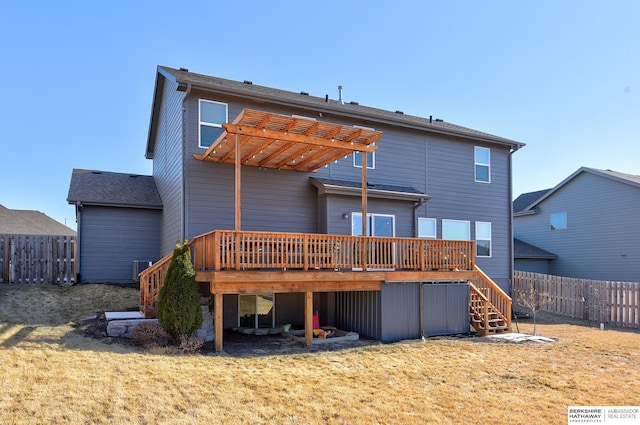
78	235
511	263
415	215
184	214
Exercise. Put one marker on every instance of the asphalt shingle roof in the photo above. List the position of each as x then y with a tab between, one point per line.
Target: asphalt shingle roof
522	249
183	76
526	199
375	186
29	222
116	189
631	178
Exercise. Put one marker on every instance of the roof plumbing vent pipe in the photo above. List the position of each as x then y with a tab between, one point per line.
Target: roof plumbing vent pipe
340	100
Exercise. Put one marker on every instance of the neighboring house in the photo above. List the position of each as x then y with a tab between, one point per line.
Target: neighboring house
303	160
35	248
588	226
118	217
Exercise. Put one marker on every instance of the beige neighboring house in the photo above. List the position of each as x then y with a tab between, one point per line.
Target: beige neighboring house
34	248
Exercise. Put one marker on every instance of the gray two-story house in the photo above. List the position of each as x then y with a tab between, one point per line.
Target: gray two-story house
297	203
585	227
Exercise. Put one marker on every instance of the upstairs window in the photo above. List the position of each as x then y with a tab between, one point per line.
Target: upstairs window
371	160
558	221
482	164
426	227
211	117
483	239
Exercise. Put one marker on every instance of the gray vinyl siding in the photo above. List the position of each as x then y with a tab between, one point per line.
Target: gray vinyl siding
167	166
272	200
400	160
455	195
118	236
532	265
603	229
338	205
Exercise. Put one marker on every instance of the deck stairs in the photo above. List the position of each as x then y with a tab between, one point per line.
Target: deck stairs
489	306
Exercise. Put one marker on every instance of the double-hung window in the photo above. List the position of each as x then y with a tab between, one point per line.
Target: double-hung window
483	239
211	117
482	161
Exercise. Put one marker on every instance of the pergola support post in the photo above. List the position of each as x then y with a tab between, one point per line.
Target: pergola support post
364	249
217	321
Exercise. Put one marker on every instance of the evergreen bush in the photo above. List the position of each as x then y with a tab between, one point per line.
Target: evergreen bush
179	310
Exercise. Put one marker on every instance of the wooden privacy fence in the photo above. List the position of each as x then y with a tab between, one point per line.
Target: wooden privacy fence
37	259
615	303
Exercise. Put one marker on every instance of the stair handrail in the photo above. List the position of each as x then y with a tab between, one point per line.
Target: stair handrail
497	298
484	313
151	281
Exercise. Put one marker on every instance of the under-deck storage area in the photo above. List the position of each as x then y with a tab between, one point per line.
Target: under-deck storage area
405	310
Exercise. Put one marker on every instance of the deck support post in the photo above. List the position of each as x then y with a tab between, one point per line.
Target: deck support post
364	248
308	318
217	321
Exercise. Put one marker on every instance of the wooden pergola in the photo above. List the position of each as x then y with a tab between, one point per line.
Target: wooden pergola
268	140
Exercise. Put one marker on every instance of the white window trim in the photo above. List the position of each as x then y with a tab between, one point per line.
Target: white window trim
209	124
476	163
446	220
483	239
371	166
369	215
435	227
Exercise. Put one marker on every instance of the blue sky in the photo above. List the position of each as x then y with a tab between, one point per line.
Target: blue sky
561	76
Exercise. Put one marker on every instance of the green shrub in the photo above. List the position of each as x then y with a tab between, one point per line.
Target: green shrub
179	300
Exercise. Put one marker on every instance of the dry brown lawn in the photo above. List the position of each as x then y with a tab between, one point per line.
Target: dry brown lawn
52	375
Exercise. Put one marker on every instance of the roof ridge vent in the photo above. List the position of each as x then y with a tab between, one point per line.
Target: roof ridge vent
304	93
399	112
353	103
184	69
248	82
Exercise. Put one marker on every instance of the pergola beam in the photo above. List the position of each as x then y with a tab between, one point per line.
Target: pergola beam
297	138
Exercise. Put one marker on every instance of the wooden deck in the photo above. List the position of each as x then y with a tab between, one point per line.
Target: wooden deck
239	262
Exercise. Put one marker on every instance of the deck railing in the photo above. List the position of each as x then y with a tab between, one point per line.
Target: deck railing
231	250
